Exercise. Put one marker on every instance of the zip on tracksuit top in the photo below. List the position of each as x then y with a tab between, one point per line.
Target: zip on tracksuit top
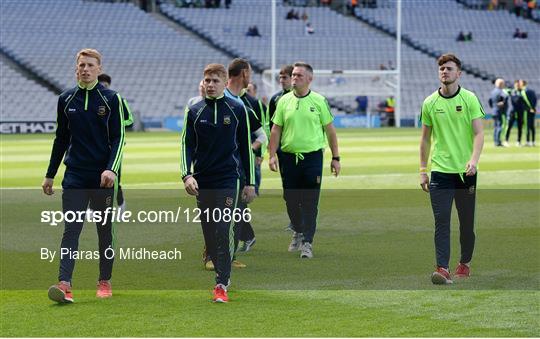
90	130
216	139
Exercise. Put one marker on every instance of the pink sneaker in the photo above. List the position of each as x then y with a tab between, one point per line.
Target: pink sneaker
220	294
441	276
462	271
61	292
104	289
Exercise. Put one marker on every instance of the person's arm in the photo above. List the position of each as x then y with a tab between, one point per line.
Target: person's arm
270	112
186	154
128	116
425	148
246	154
533	101
478	144
275	137
60	145
116	136
335	165
260	139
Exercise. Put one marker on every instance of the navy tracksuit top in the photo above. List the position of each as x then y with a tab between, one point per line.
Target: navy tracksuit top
216	140
89	131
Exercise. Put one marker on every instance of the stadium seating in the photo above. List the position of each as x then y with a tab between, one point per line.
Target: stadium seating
339	42
20	94
156	67
493	49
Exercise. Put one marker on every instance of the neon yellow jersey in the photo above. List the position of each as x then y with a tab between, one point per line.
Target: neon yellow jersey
303	120
450	119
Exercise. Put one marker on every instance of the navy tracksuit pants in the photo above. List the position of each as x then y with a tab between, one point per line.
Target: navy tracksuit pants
444	188
301	180
219	231
80	188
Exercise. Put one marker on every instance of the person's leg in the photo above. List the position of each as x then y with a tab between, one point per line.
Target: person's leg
101	200
311	169
466	204
204	202
511	120
74	201
497	129
530	127
226	201
279	156
120	193
291	192
441	192
519	116
258	174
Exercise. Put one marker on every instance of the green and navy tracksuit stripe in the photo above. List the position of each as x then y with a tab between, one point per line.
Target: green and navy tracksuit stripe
216	140
90	130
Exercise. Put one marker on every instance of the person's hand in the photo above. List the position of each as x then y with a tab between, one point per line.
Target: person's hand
258	161
470	169
47	186
107	179
273	163
335	167
248	194
191	186
424	181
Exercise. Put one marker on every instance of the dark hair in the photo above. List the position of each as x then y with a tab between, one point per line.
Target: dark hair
286	70
237	66
449	57
103	77
305	65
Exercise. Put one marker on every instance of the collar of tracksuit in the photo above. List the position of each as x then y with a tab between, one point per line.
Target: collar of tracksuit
210	100
87	86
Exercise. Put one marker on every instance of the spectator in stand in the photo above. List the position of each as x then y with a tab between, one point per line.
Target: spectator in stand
309	29
253	31
362	101
460	37
520	35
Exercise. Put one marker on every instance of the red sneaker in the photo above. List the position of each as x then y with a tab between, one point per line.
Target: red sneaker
61	292
104	289
441	276
462	271
220	294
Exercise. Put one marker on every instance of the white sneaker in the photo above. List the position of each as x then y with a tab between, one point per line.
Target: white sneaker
529	144
296	242
505	144
307	251
518	144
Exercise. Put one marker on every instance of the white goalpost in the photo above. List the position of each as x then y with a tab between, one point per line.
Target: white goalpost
346	83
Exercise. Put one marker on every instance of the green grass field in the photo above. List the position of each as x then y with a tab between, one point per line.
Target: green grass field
373	252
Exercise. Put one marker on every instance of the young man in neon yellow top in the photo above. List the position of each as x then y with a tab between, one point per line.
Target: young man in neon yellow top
452	118
301	119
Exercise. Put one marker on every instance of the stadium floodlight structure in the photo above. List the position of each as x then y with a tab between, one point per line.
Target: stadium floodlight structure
341	83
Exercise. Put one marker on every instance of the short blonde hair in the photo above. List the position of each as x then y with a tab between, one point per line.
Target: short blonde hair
217	69
89	52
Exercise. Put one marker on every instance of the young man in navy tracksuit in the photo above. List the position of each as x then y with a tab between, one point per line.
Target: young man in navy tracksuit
216	140
90	138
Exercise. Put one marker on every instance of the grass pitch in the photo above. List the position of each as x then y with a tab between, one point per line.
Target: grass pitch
373	252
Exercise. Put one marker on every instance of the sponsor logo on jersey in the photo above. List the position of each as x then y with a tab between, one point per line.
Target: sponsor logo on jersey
101	111
459	108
